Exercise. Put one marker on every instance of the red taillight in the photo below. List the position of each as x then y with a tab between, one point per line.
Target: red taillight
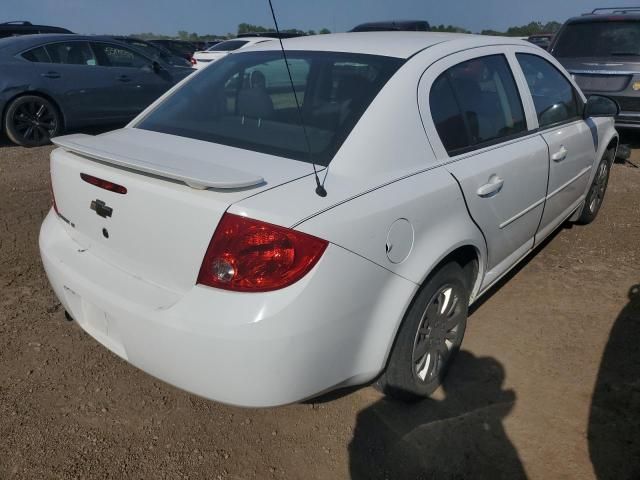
247	255
193	60
100	183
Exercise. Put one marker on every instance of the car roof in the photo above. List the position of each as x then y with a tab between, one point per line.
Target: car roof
18	44
604	17
389	44
391	25
252	39
271	34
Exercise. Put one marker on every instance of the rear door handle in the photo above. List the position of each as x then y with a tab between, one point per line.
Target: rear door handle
492	188
124	78
50	75
560	154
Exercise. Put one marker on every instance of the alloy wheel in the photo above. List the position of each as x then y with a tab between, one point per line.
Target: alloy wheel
34	121
439	333
599	187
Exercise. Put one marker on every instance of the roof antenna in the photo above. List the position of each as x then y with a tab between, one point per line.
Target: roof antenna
320	190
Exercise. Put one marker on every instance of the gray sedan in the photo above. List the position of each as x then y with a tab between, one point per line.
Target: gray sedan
55	82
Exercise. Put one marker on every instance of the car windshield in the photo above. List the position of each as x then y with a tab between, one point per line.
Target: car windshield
599	39
245	100
228	46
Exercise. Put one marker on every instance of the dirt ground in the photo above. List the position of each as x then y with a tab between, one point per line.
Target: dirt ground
547	385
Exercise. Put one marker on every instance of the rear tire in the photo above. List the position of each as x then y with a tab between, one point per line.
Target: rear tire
598	188
429	337
31	121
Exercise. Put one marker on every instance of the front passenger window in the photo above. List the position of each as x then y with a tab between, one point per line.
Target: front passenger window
553	95
115	56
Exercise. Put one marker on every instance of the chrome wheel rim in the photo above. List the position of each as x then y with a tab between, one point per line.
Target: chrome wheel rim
599	187
439	332
34	121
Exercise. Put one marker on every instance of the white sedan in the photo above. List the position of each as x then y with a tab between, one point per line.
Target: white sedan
220	50
258	254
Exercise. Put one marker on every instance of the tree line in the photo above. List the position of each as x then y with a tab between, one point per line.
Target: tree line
531	28
242	28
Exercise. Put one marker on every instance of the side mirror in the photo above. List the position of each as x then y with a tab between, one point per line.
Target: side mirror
599	106
152	67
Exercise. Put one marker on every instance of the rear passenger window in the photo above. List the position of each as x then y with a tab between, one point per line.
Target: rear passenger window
553	95
36	55
447	115
476	103
71	53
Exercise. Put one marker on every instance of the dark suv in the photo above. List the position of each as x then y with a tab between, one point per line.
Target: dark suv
393	25
13	29
602	51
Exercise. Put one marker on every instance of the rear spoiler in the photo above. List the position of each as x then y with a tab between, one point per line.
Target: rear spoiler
195	172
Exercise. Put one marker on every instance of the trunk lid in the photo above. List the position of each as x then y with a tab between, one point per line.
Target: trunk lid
177	191
209	56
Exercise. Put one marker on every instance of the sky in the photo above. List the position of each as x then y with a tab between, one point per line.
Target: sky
223	16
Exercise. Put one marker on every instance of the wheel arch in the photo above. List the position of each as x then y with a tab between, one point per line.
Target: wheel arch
613	144
470	258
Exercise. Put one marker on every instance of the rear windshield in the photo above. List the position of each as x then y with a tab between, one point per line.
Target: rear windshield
228	46
245	100
599	39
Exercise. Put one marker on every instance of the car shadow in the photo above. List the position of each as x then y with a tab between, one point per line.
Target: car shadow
629	141
461	436
614	419
4	141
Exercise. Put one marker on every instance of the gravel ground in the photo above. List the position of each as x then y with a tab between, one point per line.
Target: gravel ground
547	384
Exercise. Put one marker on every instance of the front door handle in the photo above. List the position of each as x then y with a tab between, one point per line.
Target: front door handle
124	78
50	75
492	188
560	154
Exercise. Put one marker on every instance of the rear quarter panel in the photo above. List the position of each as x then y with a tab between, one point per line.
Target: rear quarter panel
432	203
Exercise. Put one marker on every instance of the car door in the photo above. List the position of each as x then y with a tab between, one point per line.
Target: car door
134	80
478	127
572	147
68	70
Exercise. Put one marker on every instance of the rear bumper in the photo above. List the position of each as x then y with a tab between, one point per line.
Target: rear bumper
629	120
332	328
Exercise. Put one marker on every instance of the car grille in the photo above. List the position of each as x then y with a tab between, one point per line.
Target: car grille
628	103
602	83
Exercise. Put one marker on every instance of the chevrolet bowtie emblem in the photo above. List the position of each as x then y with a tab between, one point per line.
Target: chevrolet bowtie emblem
101	208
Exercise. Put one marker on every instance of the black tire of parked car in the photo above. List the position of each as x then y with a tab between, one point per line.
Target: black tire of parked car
31	120
429	336
598	188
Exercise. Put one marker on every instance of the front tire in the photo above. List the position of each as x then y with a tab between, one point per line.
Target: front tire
598	188
31	121
429	337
